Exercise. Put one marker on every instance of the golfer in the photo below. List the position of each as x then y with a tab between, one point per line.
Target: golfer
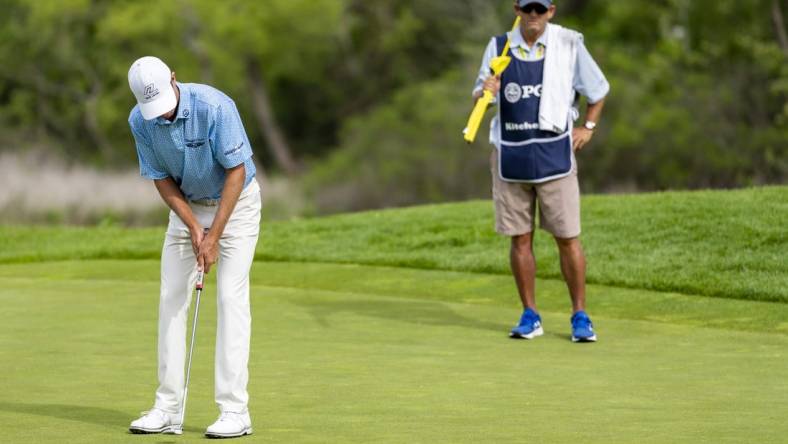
535	140
191	143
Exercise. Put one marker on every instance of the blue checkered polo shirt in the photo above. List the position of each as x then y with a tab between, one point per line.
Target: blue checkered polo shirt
205	138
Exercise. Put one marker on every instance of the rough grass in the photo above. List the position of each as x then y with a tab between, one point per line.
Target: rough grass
728	244
40	188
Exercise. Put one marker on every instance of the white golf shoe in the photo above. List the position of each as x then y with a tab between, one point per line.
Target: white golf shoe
157	421
230	425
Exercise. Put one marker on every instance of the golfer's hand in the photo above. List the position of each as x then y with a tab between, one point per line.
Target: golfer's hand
580	137
493	84
209	252
197	235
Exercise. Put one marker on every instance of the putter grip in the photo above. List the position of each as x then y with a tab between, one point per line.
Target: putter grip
200	276
475	121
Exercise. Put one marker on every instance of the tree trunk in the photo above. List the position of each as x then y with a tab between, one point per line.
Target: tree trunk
779	26
264	114
90	120
191	38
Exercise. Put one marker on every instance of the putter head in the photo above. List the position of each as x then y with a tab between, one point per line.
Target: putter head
499	64
176	430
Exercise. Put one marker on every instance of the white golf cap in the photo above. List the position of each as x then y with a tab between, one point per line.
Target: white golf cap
149	79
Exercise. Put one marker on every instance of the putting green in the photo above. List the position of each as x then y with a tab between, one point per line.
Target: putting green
344	353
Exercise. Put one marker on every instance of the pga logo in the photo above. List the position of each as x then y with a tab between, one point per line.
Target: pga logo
514	92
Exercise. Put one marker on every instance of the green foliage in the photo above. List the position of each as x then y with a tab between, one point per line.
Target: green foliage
693	105
698	104
322	60
699	88
402	153
727	244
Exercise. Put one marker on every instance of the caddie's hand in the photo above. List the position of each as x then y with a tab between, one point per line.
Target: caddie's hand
493	84
209	253
580	137
197	235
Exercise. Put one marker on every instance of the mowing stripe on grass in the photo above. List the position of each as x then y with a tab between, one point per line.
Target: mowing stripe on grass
473	288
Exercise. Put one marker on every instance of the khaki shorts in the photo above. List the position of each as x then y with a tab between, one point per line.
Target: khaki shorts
515	204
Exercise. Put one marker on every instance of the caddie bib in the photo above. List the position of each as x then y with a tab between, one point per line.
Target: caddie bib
528	154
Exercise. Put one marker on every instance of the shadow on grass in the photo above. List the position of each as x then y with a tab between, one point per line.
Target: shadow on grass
415	312
88	415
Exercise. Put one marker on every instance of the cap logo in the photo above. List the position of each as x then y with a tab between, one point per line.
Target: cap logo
150	91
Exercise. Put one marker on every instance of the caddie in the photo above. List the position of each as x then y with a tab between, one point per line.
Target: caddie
190	141
533	163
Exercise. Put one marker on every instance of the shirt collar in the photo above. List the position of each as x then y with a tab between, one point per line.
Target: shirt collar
517	40
184	105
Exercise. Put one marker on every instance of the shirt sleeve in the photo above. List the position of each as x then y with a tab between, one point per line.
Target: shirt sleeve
484	70
588	78
150	167
228	138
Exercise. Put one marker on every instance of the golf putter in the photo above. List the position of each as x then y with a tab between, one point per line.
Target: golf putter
200	276
497	66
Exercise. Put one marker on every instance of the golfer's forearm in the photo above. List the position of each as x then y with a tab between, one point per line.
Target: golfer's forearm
233	185
594	111
174	198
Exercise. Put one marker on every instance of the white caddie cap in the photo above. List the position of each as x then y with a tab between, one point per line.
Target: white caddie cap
149	80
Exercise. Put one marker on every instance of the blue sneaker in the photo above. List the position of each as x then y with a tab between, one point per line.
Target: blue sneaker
582	328
530	326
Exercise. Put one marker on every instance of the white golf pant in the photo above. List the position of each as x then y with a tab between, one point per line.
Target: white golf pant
234	320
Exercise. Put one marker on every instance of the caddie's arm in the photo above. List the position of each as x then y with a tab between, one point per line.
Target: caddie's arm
485	80
590	82
582	135
174	198
233	185
492	84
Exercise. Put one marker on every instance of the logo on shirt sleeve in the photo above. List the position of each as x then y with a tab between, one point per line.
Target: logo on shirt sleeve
234	149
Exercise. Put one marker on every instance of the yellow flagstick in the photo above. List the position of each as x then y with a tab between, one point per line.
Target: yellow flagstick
497	65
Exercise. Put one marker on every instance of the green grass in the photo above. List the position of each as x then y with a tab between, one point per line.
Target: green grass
728	244
353	353
390	326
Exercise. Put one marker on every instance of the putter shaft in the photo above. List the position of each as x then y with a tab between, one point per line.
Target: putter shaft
200	277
